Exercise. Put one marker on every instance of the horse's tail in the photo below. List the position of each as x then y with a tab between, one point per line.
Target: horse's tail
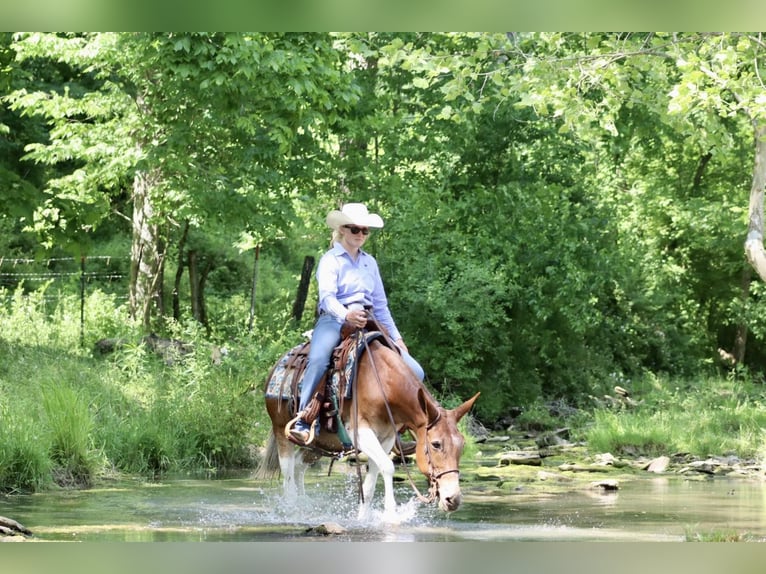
268	467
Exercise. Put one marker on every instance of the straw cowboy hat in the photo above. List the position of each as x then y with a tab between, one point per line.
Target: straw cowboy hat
353	214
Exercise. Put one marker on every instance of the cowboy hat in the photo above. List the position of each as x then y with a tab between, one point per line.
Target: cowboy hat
353	214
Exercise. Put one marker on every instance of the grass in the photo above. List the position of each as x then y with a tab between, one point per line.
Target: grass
25	464
69	424
702	417
719	535
70	416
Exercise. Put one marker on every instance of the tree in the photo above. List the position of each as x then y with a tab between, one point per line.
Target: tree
199	127
705	89
619	246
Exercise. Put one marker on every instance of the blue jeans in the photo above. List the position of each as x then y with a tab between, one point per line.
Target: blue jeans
324	339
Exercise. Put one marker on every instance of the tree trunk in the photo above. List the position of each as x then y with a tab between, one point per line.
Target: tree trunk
179	273
303	288
740	339
191	264
201	305
253	288
703	163
197	281
754	244
146	253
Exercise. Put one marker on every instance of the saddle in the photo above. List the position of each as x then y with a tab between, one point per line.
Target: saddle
334	387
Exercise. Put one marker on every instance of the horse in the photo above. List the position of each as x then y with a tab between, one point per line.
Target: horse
387	399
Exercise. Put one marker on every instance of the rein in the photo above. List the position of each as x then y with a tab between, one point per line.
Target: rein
432	477
355	409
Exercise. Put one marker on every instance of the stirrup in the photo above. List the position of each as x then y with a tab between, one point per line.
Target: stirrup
289	435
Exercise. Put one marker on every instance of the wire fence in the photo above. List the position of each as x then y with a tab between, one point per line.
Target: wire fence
72	275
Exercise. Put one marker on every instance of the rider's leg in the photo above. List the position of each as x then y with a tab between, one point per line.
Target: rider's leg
324	339
414	365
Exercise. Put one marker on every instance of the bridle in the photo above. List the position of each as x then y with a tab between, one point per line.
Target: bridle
433	477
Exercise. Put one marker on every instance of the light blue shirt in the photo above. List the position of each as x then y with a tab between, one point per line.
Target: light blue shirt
342	281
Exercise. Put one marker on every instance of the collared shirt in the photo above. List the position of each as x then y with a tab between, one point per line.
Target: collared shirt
342	281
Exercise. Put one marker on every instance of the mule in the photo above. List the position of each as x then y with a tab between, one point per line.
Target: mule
387	398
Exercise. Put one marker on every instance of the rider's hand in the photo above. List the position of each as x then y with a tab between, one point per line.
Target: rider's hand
357	319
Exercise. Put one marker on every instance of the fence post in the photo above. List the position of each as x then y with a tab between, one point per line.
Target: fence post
82	301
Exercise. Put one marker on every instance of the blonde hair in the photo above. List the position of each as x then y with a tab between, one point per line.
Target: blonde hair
336	236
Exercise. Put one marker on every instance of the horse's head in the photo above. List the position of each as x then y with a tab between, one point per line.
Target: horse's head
439	447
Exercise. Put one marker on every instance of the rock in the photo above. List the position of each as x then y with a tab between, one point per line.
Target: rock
521	457
622	399
581	467
169	349
554	438
609	485
552	476
105	346
606	459
9	527
498	439
658	465
709	466
327	529
477	430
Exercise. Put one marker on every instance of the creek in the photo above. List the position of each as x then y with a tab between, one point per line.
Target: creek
515	508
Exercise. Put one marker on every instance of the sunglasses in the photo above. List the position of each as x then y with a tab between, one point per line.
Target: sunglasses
355	230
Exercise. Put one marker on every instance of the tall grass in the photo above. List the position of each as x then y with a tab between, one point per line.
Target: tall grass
70	425
703	417
25	465
69	415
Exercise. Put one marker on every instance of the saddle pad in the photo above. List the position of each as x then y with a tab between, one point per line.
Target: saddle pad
280	385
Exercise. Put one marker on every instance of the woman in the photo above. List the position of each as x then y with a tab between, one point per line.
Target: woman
349	286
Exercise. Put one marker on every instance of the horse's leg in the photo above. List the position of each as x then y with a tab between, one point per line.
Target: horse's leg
287	464
379	463
300	472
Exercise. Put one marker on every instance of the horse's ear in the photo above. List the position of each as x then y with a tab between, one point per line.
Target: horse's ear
428	406
465	407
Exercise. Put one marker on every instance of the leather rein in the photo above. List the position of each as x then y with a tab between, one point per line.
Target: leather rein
433	476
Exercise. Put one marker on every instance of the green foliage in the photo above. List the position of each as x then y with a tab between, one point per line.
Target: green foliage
702	417
648	435
537	417
142	443
564	212
80	416
570	235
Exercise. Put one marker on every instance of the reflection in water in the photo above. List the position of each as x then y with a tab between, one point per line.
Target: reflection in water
241	509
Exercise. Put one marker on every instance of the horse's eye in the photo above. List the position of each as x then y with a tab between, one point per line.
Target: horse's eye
436	444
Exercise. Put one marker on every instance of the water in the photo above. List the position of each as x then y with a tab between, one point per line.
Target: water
239	508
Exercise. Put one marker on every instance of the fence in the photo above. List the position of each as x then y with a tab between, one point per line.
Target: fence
108	273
